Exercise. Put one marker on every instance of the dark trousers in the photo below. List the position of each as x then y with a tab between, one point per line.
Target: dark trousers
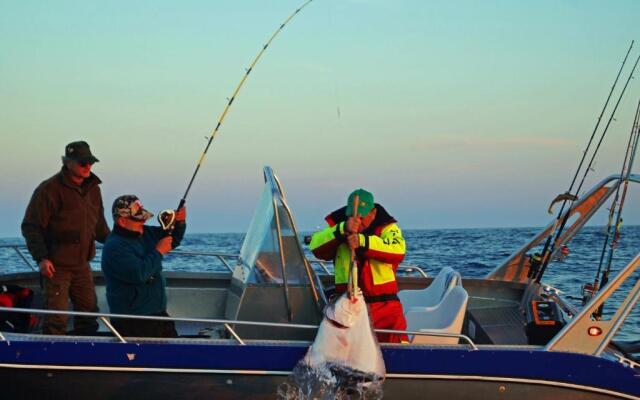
75	283
144	327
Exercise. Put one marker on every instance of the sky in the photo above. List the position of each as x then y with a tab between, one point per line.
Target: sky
455	114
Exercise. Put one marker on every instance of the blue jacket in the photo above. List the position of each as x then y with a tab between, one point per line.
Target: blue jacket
132	270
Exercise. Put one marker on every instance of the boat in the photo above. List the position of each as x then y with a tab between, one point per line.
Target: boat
243	331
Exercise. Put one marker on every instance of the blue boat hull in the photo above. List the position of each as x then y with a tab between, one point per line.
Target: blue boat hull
211	370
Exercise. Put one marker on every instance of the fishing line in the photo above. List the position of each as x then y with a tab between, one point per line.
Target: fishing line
233	97
550	245
336	95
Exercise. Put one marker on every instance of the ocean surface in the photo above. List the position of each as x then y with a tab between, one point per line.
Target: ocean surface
472	252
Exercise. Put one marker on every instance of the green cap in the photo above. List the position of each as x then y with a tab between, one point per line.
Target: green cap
365	202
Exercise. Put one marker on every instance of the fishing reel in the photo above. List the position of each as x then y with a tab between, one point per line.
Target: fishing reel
167	220
535	262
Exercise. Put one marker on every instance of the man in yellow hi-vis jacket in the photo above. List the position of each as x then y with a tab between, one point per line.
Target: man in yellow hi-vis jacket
379	246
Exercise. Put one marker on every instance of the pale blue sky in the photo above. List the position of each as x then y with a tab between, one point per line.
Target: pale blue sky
454	113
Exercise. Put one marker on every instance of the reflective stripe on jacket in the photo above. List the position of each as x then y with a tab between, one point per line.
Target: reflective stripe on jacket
382	249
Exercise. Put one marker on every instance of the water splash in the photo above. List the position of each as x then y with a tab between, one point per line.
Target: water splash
330	381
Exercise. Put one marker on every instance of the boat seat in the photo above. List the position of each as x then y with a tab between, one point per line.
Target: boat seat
446	317
433	294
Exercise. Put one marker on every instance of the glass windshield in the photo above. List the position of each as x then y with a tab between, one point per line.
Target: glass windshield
263	260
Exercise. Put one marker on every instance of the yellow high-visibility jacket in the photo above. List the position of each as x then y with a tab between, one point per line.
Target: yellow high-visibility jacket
382	249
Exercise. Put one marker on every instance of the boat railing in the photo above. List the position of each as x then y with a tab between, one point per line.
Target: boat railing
18	248
228	260
226	323
407	268
588	335
516	267
223	257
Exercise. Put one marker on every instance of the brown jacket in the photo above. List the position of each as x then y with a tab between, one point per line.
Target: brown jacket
63	221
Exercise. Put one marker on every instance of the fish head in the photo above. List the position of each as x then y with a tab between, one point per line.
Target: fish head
345	311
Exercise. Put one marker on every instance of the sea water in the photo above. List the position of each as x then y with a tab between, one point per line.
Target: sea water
330	382
472	252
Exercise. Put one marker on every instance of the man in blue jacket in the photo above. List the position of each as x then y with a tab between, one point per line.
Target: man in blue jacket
132	266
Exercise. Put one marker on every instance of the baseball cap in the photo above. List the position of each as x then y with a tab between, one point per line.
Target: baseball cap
129	206
365	202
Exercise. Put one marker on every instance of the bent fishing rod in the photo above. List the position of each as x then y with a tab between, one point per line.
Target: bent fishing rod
568	196
233	97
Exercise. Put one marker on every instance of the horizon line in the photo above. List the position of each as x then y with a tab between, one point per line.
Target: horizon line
405	230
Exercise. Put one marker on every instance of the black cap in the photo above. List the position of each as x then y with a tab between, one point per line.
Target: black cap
79	151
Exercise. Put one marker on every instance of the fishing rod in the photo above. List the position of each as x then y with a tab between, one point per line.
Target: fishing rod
233	97
567	195
630	155
550	245
612	211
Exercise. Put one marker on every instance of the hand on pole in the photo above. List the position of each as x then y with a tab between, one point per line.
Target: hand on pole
353	240
181	214
353	225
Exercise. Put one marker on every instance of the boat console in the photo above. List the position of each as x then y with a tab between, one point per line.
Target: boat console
544	320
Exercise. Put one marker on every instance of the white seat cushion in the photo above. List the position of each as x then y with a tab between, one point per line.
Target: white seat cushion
433	294
446	317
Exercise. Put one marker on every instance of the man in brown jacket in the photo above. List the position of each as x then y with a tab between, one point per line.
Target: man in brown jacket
61	224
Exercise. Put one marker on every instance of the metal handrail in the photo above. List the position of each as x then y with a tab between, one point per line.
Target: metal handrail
17	248
411	268
321	263
218	321
576	337
222	257
219	255
401	267
112	329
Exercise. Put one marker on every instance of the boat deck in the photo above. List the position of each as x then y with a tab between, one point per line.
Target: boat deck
498	325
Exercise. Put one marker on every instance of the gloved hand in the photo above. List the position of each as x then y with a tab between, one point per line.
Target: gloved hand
181	214
164	245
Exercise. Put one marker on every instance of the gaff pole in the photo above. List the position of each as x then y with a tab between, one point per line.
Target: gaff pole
233	96
353	265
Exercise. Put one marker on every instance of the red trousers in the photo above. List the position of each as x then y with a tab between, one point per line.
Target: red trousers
388	315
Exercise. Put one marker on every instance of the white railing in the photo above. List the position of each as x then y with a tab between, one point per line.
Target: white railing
224	322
